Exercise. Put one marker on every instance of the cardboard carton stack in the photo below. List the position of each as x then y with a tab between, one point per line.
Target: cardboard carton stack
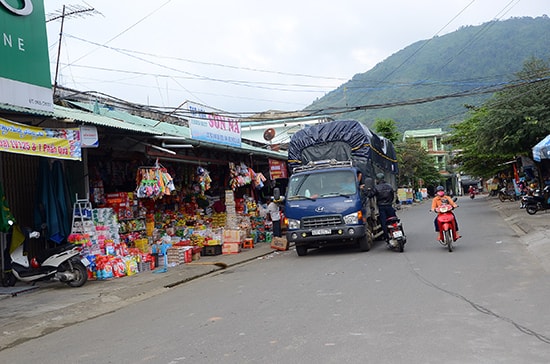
179	255
232	240
231	221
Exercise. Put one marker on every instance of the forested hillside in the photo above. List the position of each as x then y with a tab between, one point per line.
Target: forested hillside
473	60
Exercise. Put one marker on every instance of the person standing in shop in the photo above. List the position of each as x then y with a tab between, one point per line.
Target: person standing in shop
275	216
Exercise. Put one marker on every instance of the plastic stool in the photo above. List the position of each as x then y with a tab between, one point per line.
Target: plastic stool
248	243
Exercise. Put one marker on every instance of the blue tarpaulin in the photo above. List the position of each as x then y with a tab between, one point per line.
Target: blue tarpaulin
542	149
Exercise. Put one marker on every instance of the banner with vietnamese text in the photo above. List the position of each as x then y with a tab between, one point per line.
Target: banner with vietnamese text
52	143
205	124
277	169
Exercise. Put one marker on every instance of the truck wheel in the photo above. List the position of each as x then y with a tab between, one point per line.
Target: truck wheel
301	250
365	242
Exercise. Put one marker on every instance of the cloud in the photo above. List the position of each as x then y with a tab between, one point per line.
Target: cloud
248	55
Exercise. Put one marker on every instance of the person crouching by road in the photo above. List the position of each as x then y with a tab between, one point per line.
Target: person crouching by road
275	216
384	200
438	201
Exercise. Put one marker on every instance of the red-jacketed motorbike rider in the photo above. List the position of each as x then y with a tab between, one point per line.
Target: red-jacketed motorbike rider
438	201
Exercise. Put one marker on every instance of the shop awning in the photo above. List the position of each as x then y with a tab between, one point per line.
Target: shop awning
542	149
168	129
96	119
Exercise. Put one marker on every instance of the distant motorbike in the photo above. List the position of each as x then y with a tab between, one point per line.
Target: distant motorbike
447	225
506	195
397	238
472	193
62	263
537	202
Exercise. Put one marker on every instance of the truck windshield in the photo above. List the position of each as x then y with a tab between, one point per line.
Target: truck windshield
322	184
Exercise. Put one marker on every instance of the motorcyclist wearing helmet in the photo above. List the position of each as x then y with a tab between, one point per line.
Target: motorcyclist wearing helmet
437	201
385	197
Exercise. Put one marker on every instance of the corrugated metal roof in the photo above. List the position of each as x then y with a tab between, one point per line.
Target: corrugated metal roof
95	119
159	127
168	129
24	110
112	118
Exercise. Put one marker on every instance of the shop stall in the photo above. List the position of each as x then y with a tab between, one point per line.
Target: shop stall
173	214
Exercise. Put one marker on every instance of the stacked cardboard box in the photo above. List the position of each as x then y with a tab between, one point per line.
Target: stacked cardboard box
179	255
231	214
231	248
232	240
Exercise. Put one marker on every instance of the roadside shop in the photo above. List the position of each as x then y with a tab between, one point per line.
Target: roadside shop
133	204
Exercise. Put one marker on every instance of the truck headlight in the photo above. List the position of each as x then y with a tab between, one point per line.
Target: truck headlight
351	219
293	224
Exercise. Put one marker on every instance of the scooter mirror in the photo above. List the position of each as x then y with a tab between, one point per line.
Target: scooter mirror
276	194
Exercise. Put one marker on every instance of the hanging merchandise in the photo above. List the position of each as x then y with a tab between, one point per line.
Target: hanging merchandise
240	174
153	182
204	180
258	180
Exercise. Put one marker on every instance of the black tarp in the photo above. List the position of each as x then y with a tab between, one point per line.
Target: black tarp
341	140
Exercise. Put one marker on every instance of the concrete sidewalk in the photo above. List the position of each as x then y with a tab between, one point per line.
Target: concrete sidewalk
54	305
532	230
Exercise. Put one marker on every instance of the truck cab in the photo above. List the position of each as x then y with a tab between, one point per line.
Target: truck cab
324	205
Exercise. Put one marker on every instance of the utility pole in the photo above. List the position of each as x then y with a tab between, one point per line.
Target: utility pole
67	11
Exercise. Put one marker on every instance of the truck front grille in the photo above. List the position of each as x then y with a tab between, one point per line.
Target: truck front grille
321	221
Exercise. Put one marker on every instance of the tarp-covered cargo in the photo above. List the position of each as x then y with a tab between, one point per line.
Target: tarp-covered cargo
342	140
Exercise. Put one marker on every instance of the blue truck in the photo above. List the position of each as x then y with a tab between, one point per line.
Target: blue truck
324	204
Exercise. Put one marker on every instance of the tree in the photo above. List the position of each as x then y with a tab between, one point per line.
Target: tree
387	129
506	126
415	164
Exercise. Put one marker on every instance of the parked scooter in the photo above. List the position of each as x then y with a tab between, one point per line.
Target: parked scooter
447	225
506	195
537	202
397	238
62	263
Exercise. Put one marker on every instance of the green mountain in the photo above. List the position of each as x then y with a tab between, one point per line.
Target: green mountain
474	60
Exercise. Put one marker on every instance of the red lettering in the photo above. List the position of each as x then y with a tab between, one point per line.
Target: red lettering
234	127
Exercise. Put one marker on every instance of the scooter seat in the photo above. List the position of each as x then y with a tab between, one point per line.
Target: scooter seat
43	255
392	220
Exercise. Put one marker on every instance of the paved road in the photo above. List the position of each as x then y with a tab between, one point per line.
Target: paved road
485	302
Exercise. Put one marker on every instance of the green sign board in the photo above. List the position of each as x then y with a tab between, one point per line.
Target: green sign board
25	79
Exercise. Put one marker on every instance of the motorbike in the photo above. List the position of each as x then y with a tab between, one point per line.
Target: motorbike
62	263
537	202
397	238
506	195
447	225
472	194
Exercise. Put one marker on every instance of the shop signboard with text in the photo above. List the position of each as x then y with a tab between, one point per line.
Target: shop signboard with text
25	79
207	125
277	169
51	143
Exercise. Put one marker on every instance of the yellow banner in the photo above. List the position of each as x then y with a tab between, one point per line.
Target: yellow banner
52	143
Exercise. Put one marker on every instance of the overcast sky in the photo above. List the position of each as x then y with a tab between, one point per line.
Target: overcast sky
246	56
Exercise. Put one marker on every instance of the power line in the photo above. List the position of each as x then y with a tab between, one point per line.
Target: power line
125	30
